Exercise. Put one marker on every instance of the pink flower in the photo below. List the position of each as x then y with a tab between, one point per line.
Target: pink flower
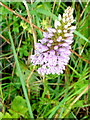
52	53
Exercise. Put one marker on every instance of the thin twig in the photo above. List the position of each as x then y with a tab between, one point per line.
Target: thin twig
30	22
27	81
4	39
35	38
83	12
8	57
79	56
53	8
2	44
6	27
77	98
9	61
20	16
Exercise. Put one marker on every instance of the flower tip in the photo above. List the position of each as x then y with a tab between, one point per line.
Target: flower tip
56	24
59	17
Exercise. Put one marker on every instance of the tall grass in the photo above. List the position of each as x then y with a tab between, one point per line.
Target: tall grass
50	96
21	76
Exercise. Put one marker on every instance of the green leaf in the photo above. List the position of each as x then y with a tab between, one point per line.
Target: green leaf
14	114
47	13
1	115
18	106
7	115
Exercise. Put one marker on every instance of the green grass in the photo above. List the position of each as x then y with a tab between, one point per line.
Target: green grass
21	76
52	96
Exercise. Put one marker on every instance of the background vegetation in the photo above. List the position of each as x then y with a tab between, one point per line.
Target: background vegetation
23	92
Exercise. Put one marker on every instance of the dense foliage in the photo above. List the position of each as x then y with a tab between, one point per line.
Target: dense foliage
23	92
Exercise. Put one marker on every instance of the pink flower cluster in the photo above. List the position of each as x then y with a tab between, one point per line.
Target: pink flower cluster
53	51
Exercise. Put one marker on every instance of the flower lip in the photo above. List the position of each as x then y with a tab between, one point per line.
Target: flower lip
48	44
55	47
50	41
51	30
59	38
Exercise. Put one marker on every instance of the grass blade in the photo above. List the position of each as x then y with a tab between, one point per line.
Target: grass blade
81	36
21	77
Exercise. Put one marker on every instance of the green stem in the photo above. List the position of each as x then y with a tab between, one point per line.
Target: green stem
21	77
1	98
46	91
